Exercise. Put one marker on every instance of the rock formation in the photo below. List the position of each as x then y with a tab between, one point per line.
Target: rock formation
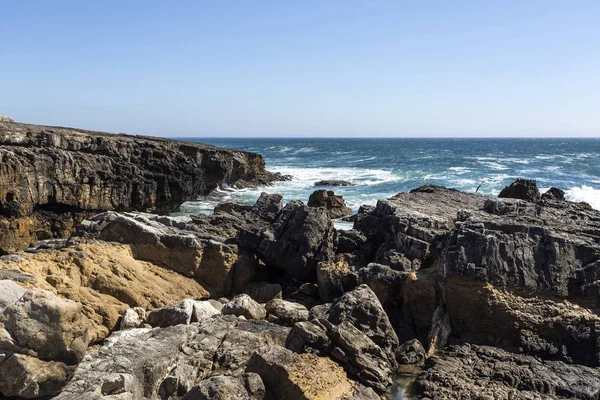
334	204
53	177
478	297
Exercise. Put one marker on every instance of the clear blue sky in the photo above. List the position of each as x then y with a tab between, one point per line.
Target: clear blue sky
304	68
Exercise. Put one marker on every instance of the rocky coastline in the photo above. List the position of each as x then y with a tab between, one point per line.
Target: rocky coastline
472	297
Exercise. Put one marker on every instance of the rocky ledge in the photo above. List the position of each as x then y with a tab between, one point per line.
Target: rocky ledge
474	297
51	178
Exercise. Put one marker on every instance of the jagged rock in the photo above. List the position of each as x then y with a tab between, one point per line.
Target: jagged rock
239	344
361	308
349	241
524	189
300	237
77	172
247	387
361	356
333	183
133	318
329	200
263	292
554	194
334	278
53	328
267	207
204	309
411	352
172	314
319	311
31	378
286	312
4	118
309	337
243	305
471	371
288	375
10	292
385	282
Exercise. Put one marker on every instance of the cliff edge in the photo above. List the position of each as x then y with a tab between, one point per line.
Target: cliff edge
52	177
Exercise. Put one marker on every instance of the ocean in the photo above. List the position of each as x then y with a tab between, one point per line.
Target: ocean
380	168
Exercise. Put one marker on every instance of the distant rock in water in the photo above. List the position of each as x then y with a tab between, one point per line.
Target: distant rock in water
524	189
333	183
554	194
336	207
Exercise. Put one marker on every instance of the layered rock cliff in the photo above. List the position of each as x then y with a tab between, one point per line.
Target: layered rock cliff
51	177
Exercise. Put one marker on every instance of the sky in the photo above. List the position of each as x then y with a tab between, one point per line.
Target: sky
304	68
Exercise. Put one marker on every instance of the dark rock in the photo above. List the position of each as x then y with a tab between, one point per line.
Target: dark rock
554	194
333	183
300	237
524	189
334	204
465	372
263	292
227	388
361	308
334	278
411	352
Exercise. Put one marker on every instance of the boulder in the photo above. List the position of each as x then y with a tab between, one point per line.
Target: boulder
334	278
204	309
300	237
292	376
524	189
243	305
309	337
554	194
10	292
28	377
133	318
286	312
411	352
52	328
267	207
385	282
361	308
329	200
361	357
172	314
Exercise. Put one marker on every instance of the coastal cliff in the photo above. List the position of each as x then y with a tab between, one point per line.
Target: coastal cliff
51	177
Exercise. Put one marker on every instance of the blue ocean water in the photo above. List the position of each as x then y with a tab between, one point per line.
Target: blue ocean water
380	168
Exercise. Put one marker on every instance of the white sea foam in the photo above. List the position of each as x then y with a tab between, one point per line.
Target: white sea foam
304	150
460	170
585	193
